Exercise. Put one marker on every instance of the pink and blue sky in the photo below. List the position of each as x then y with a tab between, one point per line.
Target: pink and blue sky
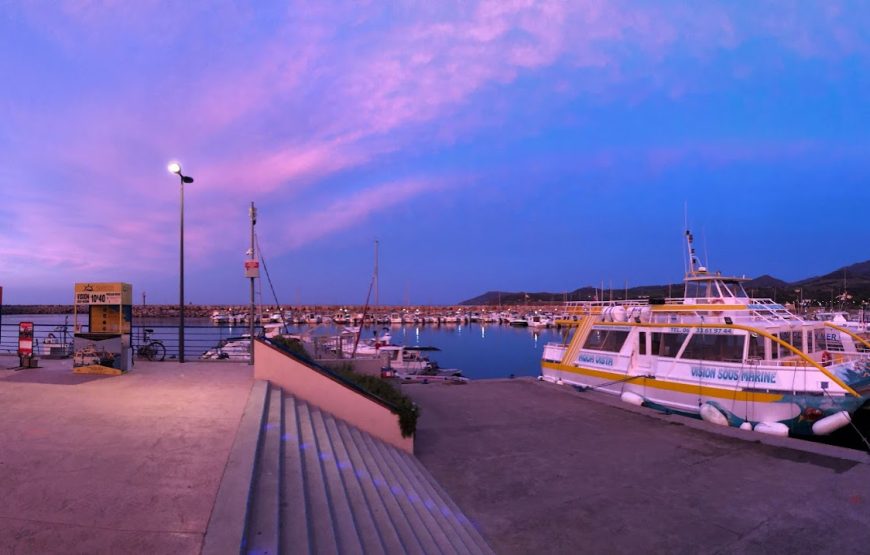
510	144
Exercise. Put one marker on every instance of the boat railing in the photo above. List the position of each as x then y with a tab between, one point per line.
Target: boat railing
598	307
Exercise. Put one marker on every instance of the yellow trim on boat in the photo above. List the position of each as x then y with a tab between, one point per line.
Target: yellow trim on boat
750	329
702	390
852	335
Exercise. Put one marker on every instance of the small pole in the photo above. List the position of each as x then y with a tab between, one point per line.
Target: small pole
181	281
253	214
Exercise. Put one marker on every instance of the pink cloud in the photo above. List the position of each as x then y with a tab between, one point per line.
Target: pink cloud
350	210
328	89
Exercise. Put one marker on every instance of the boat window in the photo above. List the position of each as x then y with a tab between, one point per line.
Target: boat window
606	340
756	346
728	348
794	338
641	342
667	344
735	288
827	340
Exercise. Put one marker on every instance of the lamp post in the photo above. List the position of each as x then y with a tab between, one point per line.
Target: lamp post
175	167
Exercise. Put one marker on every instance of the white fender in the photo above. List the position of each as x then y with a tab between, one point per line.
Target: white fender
632	398
831	423
559	381
746	426
618	314
713	415
772	428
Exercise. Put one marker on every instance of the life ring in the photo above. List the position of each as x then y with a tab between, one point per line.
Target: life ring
826	357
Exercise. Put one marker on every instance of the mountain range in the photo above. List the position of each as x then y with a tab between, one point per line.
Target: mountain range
848	286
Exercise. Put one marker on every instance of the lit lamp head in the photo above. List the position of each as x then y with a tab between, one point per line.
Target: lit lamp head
175	167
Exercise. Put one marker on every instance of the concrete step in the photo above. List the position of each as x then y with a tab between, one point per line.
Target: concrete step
389	486
386	511
263	523
410	482
226	527
463	528
320	485
363	514
419	478
346	532
294	515
322	537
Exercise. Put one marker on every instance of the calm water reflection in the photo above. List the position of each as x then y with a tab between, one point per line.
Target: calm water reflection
479	350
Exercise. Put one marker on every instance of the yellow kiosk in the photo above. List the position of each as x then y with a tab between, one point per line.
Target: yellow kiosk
105	348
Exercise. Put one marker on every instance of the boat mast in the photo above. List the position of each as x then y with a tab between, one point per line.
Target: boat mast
691	248
376	274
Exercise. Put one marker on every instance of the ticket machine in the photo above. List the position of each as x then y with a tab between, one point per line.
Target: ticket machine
105	347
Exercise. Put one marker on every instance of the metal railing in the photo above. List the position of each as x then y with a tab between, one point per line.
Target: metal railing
57	340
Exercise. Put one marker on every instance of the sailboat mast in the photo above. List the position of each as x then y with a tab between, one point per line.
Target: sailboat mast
376	273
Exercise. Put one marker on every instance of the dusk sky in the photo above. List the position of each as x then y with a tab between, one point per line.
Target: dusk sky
511	145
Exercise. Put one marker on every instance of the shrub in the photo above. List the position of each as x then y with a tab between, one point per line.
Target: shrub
408	411
292	346
382	389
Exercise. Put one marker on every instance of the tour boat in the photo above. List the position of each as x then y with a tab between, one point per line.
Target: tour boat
716	354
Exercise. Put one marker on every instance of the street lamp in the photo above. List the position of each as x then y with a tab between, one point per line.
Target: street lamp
175	167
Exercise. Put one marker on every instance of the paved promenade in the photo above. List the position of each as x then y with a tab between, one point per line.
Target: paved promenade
543	469
127	464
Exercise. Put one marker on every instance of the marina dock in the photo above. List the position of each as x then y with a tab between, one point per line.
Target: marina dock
541	468
127	464
94	464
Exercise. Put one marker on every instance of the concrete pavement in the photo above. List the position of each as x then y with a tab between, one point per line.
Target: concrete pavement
541	469
126	464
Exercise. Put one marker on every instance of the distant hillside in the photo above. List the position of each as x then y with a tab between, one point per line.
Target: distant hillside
820	290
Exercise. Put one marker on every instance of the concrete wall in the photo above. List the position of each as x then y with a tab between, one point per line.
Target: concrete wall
329	395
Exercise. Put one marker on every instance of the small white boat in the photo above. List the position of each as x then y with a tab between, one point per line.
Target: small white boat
231	348
408	363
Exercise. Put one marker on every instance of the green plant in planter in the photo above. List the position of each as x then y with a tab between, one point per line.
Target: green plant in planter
408	411
291	345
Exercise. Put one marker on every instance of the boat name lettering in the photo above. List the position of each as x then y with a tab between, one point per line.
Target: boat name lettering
704	331
755	376
604	361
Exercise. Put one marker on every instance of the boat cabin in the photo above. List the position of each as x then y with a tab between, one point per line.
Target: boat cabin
705	288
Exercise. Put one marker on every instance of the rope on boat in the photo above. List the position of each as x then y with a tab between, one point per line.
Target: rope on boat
854	427
614	382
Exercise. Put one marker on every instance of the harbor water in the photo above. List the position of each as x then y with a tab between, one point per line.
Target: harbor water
478	350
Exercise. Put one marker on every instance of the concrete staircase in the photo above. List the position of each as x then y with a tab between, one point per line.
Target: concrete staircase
320	485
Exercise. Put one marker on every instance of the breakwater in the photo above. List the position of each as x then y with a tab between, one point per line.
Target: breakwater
204	311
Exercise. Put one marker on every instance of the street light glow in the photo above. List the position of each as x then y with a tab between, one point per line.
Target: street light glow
174	167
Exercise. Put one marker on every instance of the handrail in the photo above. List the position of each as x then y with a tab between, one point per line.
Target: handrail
323	370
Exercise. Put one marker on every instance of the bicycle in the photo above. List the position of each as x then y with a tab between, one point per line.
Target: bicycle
151	349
